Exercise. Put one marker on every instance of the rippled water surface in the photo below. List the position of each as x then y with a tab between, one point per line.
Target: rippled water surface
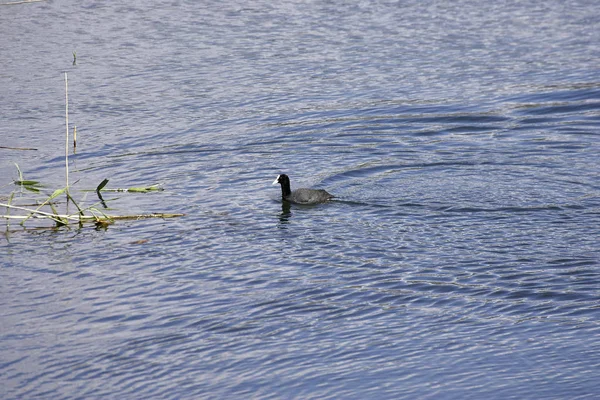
460	260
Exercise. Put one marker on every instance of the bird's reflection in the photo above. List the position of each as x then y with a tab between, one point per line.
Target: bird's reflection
286	213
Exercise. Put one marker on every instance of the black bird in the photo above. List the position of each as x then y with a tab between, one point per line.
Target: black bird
301	196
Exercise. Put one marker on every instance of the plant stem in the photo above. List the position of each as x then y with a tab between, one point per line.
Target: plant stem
67	138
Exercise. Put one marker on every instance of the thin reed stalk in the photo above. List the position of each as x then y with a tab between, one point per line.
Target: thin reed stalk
67	132
87	214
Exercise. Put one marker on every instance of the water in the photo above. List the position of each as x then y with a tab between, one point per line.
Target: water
460	259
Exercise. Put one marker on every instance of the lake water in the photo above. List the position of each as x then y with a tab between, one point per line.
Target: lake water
461	259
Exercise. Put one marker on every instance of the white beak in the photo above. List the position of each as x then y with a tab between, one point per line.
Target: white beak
276	181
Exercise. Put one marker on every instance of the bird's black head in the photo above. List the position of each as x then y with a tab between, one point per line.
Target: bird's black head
284	181
283	178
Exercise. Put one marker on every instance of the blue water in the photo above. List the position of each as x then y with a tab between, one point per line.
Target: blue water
460	259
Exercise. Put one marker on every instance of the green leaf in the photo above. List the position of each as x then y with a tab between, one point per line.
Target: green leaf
32	189
26	183
20	173
56	193
153	188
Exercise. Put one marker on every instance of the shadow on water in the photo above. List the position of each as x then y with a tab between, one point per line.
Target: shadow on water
287	207
286	213
286	210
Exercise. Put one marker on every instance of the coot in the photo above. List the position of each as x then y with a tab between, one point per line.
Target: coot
301	196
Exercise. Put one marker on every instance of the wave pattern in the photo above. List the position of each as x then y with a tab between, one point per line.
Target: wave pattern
459	260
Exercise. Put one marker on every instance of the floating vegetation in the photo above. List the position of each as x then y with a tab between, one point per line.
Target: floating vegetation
20	2
47	207
17	148
32	186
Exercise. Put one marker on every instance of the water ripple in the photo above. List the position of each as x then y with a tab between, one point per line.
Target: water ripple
459	259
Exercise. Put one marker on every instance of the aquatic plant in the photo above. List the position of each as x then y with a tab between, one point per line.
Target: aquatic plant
91	213
47	207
